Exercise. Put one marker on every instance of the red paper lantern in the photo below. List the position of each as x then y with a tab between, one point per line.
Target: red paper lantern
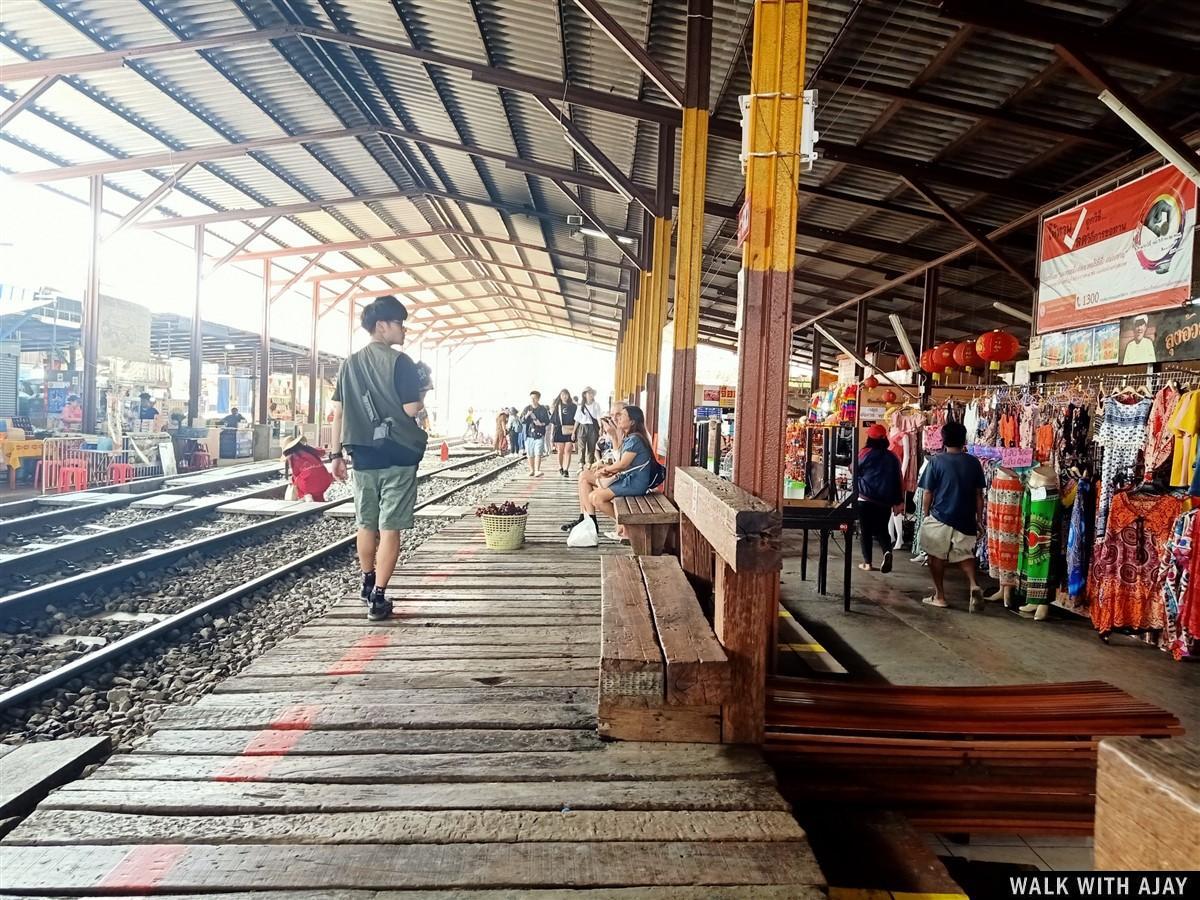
902	363
927	363
889	396
943	356
871	383
997	347
966	356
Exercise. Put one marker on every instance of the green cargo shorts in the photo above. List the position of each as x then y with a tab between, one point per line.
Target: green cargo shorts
384	498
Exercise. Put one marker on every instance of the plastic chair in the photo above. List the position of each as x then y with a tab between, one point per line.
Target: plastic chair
73	477
119	473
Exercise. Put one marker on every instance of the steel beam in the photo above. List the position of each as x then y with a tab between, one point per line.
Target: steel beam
240	246
295	279
168	184
991	114
117	59
314	357
1154	51
955	218
196	350
860	336
264	351
26	98
631	48
287	209
90	325
660	273
179	157
1092	72
595	156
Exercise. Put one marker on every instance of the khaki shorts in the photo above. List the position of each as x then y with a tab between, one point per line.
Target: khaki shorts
384	498
941	541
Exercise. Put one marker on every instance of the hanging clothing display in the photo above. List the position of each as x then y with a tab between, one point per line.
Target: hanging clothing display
1039	516
1122	434
1128	567
1179	605
1004	526
1160	440
1079	540
1184	425
903	428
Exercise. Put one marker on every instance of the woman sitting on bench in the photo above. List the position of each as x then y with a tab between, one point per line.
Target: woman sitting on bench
629	476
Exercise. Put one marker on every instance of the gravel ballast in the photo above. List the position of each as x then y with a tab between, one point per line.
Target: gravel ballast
123	698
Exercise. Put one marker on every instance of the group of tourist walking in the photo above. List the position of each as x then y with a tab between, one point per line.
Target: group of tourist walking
539	431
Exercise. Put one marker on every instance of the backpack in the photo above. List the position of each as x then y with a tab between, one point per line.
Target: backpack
658	474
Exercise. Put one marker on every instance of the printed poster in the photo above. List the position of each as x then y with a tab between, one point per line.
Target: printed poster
1127	251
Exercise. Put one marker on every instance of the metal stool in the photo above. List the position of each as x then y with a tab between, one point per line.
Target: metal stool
119	473
73	477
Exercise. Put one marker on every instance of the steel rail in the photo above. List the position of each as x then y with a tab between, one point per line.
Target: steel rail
108	498
42	683
14	604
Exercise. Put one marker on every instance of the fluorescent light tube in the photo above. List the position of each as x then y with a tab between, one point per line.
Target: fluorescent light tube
902	337
573	275
1014	312
1147	134
597	233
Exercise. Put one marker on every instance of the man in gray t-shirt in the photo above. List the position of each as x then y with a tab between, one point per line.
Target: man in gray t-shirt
952	505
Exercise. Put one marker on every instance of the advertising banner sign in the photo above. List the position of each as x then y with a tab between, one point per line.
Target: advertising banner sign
1124	252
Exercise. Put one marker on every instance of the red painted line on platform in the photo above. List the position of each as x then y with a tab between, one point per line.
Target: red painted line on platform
466	552
437	576
271	744
355	660
141	869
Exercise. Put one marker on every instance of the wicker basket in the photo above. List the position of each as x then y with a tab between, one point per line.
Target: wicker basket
504	532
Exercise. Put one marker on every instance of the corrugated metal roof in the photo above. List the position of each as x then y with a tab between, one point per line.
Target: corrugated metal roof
296	85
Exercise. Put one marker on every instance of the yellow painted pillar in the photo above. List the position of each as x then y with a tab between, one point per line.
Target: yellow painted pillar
689	242
656	317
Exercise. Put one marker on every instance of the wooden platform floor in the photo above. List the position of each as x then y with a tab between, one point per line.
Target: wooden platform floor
449	753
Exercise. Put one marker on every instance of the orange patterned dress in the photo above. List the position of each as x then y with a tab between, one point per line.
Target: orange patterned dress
1128	569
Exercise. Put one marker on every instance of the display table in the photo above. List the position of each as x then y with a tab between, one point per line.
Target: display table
823	516
14	452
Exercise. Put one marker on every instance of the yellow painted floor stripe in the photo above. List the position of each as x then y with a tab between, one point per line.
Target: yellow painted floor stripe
784	614
806	648
840	893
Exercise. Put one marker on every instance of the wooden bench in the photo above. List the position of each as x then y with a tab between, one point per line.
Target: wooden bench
663	674
648	521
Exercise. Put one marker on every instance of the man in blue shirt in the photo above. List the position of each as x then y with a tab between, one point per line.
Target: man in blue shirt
953	503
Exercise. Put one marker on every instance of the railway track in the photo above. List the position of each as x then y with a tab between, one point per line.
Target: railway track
30	576
138	643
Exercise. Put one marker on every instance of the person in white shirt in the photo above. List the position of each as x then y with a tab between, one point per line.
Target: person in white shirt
1141	349
587	426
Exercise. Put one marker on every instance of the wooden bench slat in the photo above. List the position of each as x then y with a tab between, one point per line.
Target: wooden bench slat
653	509
697	670
631	661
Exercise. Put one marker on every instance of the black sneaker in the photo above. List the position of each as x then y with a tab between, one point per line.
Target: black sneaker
572	524
380	607
368	585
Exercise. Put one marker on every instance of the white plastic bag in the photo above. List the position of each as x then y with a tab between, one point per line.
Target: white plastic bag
584	534
289	492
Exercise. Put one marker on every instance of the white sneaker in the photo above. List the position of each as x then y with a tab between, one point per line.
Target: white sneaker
939	602
613	536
